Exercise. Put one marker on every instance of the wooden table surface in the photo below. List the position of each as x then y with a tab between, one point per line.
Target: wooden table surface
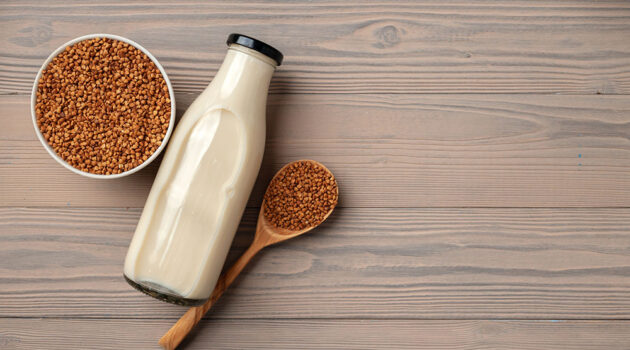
482	150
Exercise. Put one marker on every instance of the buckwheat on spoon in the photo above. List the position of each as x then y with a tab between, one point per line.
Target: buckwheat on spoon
299	198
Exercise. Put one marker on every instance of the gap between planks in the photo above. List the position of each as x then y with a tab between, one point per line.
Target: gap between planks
209	317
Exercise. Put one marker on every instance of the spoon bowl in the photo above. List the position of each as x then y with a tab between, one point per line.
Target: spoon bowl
266	235
265	231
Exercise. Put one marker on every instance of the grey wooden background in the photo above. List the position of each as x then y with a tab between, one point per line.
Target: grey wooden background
482	150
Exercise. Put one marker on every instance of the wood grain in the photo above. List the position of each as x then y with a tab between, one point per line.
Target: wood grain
362	263
482	207
351	46
51	334
388	151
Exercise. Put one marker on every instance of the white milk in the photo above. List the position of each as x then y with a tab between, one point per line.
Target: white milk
202	186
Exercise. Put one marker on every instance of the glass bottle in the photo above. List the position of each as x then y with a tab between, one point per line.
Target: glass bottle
205	179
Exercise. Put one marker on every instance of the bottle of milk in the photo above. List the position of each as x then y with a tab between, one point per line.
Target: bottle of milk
204	181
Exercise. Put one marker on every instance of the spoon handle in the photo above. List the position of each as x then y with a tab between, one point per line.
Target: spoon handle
185	324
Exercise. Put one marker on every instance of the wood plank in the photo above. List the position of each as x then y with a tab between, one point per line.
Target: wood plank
363	263
353	46
64	334
388	151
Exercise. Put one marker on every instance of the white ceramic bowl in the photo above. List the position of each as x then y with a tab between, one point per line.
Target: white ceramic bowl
50	149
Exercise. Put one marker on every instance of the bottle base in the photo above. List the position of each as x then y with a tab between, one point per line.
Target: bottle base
161	295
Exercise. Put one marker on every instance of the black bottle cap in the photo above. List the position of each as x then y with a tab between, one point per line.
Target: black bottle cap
257	45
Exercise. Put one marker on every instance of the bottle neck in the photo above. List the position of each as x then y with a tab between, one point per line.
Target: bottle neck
244	75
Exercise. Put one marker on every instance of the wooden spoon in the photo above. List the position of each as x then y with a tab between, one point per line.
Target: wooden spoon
266	235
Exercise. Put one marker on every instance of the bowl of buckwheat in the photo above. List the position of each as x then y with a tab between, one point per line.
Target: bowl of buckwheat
103	106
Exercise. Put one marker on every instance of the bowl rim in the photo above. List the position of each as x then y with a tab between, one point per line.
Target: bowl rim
52	152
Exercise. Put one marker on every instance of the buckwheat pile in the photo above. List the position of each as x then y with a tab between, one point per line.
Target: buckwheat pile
300	196
103	106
